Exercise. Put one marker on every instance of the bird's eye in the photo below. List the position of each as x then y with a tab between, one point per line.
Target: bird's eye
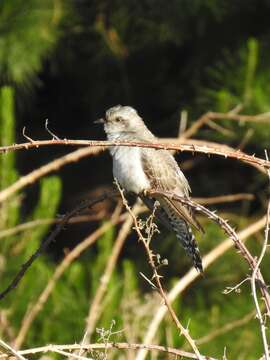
118	119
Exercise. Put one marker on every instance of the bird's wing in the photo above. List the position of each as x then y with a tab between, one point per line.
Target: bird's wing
164	174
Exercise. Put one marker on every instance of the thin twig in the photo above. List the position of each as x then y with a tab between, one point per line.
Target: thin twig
8	350
263	118
25	136
255	276
157	277
219	128
54	137
196	126
205	118
224	199
235	288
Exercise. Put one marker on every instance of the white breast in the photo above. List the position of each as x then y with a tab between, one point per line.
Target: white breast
127	169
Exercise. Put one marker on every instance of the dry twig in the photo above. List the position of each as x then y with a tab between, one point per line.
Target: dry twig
256	271
205	118
8	350
156	277
223	199
107	345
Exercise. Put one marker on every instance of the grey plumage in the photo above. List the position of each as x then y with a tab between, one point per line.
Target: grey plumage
139	169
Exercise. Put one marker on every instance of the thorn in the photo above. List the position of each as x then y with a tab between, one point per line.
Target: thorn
27	137
54	137
149	281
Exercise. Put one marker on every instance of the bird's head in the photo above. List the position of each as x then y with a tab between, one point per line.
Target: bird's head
122	120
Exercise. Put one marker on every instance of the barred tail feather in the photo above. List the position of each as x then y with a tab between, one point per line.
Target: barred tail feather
172	220
185	235
187	239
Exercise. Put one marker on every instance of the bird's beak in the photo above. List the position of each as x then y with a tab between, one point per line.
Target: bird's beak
99	121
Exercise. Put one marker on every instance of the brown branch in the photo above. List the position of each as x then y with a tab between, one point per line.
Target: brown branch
81	153
157	278
224	199
205	118
234	154
209	144
231	233
44	245
218	128
263	118
107	345
191	276
196	126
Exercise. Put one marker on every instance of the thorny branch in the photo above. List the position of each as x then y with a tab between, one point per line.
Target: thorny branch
156	277
234	154
107	345
231	233
255	272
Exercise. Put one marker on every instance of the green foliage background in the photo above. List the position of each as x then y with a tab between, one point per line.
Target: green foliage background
71	60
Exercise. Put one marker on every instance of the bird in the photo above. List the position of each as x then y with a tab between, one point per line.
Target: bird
139	170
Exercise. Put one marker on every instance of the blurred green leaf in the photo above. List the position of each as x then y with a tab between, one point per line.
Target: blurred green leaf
29	32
